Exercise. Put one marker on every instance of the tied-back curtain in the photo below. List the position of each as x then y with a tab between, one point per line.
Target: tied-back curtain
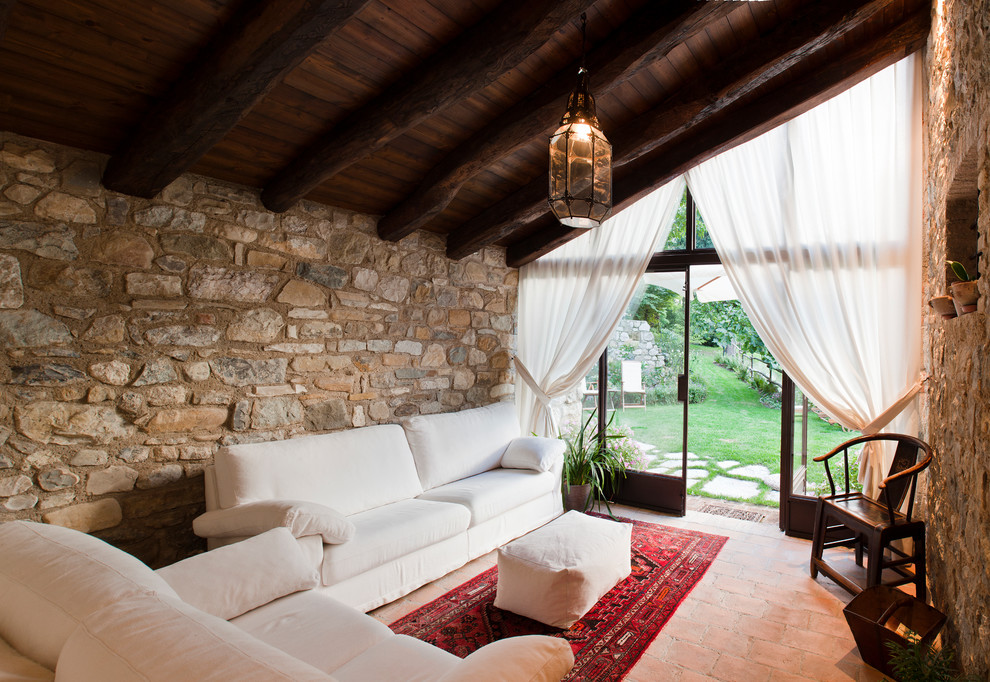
571	299
818	224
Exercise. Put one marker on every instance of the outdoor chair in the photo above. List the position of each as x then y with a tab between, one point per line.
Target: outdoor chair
632	384
589	390
852	519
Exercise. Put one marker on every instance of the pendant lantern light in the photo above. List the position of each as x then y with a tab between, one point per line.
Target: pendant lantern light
580	159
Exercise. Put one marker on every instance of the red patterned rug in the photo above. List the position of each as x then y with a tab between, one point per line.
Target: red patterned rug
666	564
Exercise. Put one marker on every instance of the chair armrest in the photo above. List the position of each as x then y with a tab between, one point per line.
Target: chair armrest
530	658
843	448
533	452
300	517
848	444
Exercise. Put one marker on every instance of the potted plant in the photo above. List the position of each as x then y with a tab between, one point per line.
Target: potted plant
591	465
919	662
964	292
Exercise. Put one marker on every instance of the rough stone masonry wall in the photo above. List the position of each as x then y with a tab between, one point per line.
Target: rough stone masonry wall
139	336
957	121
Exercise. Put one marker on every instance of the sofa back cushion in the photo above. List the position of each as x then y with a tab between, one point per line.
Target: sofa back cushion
349	471
51	578
449	447
153	637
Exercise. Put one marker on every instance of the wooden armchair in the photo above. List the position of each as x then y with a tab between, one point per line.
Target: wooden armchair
850	518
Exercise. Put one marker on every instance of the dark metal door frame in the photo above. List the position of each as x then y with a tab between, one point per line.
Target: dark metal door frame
797	511
664	492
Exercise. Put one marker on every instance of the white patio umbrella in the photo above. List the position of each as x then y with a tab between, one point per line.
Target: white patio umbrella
708	282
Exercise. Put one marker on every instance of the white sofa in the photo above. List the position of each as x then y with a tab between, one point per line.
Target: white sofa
385	509
75	609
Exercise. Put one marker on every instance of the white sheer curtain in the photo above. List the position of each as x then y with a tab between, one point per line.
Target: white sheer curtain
818	224
571	299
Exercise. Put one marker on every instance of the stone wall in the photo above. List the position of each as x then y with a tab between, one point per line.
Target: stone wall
633	340
139	336
957	117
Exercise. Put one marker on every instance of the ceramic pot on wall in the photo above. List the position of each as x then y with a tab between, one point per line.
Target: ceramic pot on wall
944	306
965	295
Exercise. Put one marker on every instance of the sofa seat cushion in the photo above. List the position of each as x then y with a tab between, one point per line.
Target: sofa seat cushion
314	628
398	658
494	492
451	446
51	578
389	532
349	471
151	637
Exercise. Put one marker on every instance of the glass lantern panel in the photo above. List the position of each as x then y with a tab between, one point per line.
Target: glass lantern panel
558	165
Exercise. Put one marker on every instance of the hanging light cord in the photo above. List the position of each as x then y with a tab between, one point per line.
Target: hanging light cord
584	38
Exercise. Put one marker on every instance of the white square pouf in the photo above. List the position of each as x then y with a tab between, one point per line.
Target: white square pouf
558	572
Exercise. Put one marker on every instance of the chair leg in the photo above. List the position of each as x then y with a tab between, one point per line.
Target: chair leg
818	540
920	573
874	567
859	550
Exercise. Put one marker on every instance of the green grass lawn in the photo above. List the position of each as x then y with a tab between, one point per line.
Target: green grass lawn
731	424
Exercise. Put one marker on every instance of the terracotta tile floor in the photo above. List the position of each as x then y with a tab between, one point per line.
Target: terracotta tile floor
756	615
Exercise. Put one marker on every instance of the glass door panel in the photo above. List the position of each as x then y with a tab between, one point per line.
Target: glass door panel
646	363
806	433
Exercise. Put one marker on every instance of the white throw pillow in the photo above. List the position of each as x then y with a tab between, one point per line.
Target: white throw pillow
532	452
531	658
301	518
161	639
234	579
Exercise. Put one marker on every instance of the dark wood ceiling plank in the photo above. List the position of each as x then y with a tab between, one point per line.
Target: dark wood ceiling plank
115	25
760	62
5	7
471	62
646	37
70	35
741	124
58	54
249	57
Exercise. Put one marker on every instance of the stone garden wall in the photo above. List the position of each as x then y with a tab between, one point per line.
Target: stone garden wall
139	336
633	340
957	118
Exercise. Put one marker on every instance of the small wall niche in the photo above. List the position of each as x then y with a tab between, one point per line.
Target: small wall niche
962	210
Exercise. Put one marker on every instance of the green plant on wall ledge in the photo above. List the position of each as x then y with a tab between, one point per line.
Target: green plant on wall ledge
964	292
959	270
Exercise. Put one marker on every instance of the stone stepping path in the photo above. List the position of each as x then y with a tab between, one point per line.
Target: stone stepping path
739	482
732	487
750	471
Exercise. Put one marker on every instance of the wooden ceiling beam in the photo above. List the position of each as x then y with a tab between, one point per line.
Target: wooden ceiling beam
812	28
646	37
808	31
251	54
471	62
741	124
